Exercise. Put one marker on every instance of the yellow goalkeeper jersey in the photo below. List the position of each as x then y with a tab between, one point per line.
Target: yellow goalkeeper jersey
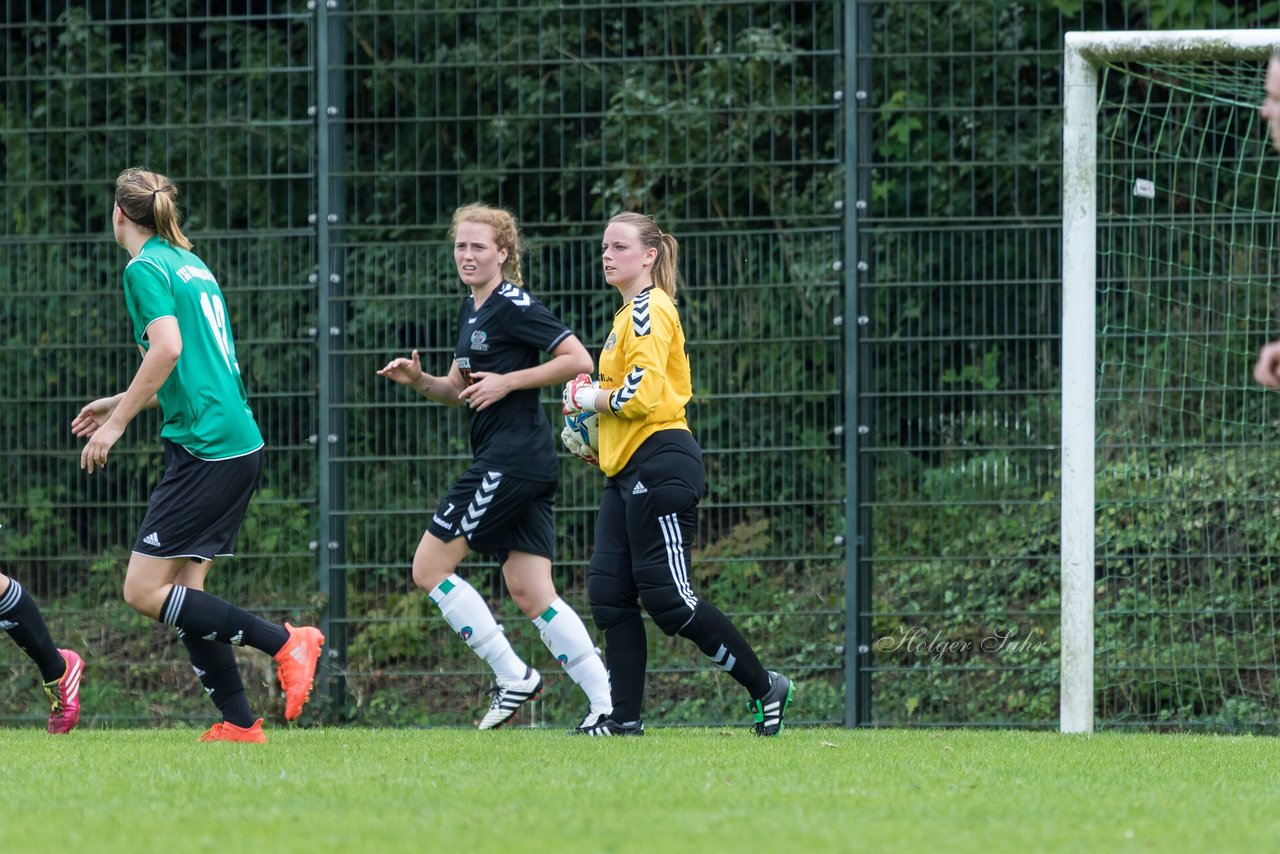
645	367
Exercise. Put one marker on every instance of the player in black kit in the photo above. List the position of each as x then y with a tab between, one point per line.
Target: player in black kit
501	505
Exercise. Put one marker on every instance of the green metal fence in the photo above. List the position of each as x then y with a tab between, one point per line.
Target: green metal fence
959	118
867	197
321	149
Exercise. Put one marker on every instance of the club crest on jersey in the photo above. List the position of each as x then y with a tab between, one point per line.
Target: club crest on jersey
478	339
465	632
611	341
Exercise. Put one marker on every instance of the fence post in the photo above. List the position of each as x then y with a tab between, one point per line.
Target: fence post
331	319
853	268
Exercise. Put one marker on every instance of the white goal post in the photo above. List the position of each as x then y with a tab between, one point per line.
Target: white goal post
1083	54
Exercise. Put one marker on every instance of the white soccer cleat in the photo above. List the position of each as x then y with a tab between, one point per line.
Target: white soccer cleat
508	698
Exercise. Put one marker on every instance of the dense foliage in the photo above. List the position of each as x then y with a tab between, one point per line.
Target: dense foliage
717	120
726	122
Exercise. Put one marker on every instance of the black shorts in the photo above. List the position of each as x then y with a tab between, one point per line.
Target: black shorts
197	508
646	526
498	513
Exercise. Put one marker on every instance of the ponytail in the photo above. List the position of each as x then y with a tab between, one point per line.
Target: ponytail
664	266
150	201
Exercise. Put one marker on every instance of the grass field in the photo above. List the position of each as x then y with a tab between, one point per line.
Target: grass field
703	790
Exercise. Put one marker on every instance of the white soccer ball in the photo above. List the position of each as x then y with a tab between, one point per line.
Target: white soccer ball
585	426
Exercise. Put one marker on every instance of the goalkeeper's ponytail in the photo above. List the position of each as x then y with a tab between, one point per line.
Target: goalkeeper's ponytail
664	268
665	271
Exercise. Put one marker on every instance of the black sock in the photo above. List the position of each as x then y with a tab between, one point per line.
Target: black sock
215	665
720	640
204	616
21	618
626	653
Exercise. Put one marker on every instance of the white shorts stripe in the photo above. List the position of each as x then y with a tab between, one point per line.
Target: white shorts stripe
671	535
480	502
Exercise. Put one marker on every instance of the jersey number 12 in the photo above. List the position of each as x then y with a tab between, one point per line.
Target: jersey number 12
217	317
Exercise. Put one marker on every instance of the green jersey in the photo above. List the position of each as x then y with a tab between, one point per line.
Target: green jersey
202	402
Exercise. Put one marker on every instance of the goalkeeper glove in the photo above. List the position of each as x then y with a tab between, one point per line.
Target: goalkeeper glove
573	442
579	395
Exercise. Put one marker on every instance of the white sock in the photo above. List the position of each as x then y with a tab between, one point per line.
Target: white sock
467	614
565	635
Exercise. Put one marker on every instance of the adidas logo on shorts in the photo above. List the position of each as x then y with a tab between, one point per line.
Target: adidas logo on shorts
152	539
639	490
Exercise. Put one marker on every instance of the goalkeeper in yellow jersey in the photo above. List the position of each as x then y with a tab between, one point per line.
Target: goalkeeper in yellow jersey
648	513
1267	368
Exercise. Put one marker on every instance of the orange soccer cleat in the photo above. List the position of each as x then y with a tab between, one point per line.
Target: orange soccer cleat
227	731
297	661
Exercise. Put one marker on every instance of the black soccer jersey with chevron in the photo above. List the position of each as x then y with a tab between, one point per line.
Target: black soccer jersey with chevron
509	333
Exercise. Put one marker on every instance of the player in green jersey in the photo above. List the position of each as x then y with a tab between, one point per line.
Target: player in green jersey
212	454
